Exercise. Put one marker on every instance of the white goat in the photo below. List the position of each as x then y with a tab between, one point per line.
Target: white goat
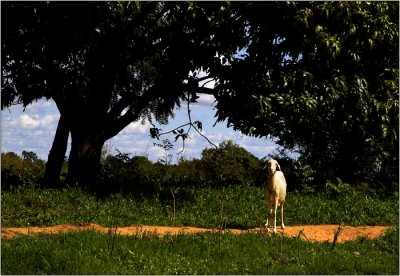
275	192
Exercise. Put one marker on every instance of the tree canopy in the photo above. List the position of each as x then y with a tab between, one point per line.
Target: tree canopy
106	64
320	77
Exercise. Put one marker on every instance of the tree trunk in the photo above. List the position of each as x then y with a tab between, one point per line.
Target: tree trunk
84	159
56	156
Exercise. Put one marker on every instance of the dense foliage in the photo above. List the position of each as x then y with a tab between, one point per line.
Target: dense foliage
228	164
19	171
107	64
321	77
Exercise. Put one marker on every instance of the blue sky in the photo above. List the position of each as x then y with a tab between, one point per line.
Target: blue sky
34	129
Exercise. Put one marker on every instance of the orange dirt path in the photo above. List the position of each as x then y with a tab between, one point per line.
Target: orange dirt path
314	233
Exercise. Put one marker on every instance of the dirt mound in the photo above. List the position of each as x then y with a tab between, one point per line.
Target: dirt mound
315	233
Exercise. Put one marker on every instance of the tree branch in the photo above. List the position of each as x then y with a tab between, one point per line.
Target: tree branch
137	104
208	140
118	107
186	134
205	90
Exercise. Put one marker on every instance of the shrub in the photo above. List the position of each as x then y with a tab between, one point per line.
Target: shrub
135	175
17	171
233	164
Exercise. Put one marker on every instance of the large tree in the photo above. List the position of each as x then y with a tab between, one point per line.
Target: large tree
320	77
107	64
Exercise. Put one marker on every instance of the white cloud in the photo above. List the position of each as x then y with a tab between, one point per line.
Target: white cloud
30	130
28	122
135	128
204	103
205	100
49	120
36	120
34	130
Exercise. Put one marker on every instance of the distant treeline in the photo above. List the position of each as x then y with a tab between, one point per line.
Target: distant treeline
227	165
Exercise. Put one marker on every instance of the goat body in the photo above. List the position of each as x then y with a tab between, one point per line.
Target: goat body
275	192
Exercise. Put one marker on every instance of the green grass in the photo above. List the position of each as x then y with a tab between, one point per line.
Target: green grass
210	253
237	206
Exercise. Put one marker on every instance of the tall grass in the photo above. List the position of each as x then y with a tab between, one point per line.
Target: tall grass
235	206
210	253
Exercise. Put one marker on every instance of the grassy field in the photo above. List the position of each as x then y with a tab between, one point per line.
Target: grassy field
237	206
212	253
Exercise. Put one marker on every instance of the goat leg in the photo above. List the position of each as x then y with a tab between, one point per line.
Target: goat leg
282	224
269	209
275	207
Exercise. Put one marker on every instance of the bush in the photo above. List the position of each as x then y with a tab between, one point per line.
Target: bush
17	171
299	176
232	164
227	165
135	175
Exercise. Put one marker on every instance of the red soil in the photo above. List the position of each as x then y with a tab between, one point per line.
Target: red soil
314	233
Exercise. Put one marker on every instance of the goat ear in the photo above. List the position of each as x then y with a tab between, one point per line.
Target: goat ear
279	167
